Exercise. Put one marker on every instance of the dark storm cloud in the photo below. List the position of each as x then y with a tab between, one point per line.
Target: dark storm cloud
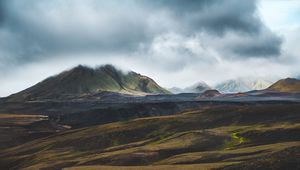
269	47
2	12
215	16
35	30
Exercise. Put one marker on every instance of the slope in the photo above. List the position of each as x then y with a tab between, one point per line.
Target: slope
213	136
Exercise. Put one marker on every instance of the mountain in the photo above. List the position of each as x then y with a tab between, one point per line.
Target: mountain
286	85
83	80
176	90
243	85
199	87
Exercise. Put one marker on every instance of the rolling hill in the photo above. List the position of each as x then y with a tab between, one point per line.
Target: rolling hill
229	136
286	85
83	80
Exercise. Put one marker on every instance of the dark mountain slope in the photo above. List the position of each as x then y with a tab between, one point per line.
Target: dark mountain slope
83	80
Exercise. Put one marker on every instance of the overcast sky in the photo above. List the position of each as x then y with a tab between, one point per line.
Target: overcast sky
175	42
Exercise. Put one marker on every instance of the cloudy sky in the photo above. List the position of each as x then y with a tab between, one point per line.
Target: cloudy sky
176	42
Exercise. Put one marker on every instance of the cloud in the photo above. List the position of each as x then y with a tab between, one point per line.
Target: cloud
265	45
43	27
216	16
157	38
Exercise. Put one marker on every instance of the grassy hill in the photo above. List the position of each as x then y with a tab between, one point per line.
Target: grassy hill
286	85
83	80
230	136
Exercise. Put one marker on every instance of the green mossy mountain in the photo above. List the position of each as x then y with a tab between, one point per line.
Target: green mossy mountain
286	85
83	80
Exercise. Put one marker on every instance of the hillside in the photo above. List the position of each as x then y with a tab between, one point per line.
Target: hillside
286	85
209	94
230	136
83	80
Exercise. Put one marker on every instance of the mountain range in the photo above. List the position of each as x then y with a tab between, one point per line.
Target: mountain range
229	86
243	85
85	81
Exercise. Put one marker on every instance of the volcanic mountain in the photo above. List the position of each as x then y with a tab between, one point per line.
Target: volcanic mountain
199	87
83	80
286	85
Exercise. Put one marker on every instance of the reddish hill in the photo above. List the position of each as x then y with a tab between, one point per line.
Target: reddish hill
209	93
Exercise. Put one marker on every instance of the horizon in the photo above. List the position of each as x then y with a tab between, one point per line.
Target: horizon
175	44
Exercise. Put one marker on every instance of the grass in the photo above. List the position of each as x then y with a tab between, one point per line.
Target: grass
20	116
210	137
233	155
235	141
204	166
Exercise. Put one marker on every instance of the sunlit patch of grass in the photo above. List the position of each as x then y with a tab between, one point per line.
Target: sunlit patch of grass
237	138
234	140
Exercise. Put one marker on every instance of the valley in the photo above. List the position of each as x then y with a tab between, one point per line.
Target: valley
212	136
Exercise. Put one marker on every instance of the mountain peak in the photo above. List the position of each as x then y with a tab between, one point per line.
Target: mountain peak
108	68
80	69
198	87
290	79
